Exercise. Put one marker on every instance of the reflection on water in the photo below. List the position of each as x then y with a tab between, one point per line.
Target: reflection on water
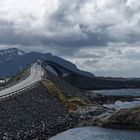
96	133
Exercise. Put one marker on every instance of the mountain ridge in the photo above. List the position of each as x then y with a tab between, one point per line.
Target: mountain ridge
15	59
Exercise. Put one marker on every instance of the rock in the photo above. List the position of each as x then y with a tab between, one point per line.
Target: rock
30	114
122	119
89	111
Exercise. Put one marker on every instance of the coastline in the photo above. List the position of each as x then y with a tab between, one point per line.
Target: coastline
48	110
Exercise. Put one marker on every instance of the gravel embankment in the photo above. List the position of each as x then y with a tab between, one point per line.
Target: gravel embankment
38	114
34	114
101	99
68	90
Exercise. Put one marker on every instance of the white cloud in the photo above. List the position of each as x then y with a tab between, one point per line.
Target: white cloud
97	31
120	61
61	17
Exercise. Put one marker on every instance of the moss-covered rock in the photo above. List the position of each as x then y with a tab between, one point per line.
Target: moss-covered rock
122	119
71	103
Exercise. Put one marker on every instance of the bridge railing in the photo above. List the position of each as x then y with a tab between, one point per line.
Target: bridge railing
17	92
16	82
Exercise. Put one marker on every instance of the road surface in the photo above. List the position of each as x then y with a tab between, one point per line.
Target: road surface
35	76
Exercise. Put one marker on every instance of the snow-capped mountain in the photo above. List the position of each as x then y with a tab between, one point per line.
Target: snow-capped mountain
12	60
8	54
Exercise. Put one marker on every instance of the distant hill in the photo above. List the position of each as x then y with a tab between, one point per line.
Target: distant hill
14	60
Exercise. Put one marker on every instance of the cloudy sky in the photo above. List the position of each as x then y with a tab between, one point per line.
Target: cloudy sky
101	36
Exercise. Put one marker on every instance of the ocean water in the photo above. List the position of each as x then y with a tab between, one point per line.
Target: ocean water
123	105
119	92
96	133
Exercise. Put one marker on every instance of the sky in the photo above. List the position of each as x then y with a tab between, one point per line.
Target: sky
100	36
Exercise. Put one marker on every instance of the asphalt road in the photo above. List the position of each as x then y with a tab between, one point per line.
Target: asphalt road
35	76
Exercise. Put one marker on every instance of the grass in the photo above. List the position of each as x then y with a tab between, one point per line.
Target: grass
71	103
18	76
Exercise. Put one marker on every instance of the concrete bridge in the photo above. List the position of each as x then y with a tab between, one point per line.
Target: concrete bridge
57	69
36	74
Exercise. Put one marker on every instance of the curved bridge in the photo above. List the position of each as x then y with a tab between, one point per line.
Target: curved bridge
34	77
55	68
59	69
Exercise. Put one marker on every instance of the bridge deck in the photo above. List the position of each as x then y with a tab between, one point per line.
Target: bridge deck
35	76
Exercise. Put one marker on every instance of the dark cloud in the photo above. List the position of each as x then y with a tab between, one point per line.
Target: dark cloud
74	29
74	25
9	36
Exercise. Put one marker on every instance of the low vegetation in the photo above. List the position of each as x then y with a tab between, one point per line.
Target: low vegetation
20	76
1	88
71	103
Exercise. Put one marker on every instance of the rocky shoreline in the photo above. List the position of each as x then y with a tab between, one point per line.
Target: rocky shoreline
39	114
117	119
95	114
48	110
106	99
122	119
36	114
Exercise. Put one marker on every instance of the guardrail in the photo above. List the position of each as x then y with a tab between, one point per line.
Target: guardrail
16	82
17	92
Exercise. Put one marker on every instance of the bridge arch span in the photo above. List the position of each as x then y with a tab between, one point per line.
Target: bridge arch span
55	68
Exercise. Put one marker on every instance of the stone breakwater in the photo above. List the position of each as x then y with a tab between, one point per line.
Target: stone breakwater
122	119
36	114
39	114
68	90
